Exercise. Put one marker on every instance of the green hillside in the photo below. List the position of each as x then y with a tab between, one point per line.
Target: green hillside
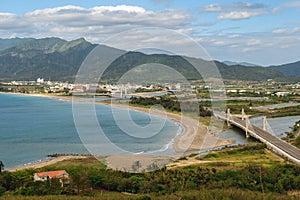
52	58
291	69
58	59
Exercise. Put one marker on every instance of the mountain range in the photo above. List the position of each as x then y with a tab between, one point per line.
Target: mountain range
290	69
230	63
58	59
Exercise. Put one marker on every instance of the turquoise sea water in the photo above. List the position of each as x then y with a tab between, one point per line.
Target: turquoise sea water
33	127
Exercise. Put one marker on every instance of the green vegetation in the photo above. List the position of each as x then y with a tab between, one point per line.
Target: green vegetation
213	194
241	156
237	105
291	69
283	112
171	104
217	178
35	58
148	90
22	89
1	166
294	135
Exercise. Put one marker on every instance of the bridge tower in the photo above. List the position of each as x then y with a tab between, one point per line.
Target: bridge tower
264	123
228	117
247	127
243	114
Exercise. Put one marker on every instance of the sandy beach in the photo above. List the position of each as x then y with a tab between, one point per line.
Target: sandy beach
47	162
195	136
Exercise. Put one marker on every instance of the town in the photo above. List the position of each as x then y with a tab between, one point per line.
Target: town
232	88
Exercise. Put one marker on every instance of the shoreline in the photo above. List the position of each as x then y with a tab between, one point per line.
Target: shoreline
192	137
195	136
46	162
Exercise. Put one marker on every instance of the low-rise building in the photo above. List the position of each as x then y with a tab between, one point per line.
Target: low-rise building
61	175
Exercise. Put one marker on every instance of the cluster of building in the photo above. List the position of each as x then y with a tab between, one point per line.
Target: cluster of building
42	86
232	87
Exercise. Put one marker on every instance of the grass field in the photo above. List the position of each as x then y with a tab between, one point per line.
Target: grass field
231	158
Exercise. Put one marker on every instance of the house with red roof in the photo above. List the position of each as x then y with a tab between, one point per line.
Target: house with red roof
61	175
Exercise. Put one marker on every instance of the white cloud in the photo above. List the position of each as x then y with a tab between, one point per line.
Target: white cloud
238	15
286	31
234	46
212	8
232	7
234	36
263	48
236	11
50	11
253	42
99	23
74	21
119	8
279	31
292	4
220	43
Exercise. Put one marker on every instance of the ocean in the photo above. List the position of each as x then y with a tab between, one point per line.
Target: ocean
33	127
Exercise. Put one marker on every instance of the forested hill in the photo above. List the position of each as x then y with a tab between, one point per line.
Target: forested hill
291	69
52	58
58	59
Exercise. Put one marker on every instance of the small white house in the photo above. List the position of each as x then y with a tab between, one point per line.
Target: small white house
282	94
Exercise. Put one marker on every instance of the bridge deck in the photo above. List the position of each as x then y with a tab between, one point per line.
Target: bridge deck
264	136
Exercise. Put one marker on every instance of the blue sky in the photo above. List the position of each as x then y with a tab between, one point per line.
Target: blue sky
261	32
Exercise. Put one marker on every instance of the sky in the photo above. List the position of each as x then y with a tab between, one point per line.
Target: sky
260	32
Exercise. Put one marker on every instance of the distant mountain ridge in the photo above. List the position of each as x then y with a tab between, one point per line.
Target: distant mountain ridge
58	59
52	58
291	69
8	43
230	63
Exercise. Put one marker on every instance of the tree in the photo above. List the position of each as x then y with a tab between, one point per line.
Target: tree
1	166
80	180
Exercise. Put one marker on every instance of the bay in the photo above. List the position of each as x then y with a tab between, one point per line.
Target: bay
33	127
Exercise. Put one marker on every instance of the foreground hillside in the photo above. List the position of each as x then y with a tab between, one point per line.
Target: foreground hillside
57	59
248	172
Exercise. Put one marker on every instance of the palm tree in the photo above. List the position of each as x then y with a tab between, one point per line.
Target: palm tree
1	166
